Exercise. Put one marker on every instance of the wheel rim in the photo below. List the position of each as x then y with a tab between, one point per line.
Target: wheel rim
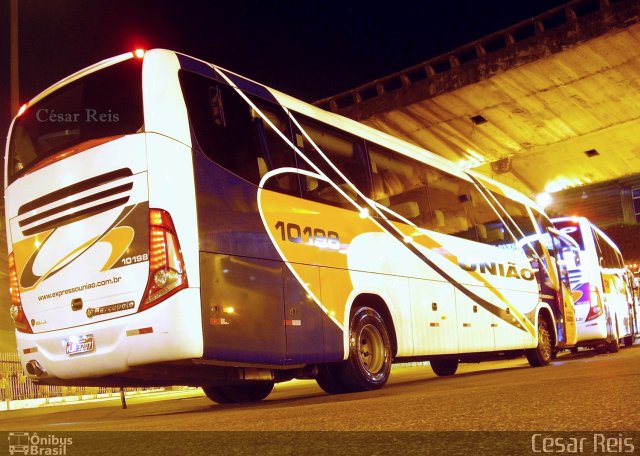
371	349
544	340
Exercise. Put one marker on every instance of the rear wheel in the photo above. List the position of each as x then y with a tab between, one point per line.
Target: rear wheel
328	379
444	367
628	341
613	345
541	355
369	362
245	392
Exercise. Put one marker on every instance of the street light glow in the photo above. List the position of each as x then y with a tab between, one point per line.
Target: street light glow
544	199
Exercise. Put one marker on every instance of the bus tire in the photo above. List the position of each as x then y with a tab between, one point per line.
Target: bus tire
541	354
444	367
328	378
245	392
613	344
369	362
215	394
628	341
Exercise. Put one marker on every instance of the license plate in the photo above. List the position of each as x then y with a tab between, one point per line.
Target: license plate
82	344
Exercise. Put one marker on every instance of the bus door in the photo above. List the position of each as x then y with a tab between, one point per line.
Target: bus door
563	252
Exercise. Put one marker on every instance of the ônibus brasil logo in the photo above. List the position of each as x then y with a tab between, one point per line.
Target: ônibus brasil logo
32	444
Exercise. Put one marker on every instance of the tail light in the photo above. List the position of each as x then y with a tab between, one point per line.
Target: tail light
17	314
595	304
166	265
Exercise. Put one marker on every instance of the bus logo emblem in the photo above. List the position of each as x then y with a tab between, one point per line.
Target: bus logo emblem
92	311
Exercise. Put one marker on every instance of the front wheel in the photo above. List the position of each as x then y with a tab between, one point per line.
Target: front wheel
541	355
245	392
369	362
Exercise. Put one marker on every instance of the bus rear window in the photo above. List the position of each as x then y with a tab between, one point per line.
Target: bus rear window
572	229
103	104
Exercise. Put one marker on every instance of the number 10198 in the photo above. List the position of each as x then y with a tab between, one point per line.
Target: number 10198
135	259
292	232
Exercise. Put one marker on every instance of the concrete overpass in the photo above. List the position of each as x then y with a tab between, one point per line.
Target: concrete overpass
551	103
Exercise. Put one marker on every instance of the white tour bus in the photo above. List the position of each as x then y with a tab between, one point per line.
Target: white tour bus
171	222
602	286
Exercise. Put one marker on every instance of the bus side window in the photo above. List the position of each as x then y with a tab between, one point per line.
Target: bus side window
275	152
491	228
344	151
451	196
223	125
400	184
608	255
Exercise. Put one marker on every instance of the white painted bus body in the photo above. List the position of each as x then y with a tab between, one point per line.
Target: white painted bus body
604	300
445	296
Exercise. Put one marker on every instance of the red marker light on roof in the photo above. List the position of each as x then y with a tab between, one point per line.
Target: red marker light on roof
139	53
22	109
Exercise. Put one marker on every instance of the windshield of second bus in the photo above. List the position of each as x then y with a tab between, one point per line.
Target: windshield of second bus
572	229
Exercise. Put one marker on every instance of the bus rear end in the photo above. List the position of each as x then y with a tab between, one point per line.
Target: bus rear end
586	282
97	274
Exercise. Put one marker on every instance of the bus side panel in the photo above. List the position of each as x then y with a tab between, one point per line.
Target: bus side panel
506	335
308	328
433	309
393	290
256	311
228	218
243	309
274	319
475	323
241	290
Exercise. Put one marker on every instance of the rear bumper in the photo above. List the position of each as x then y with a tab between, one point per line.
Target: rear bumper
591	332
119	344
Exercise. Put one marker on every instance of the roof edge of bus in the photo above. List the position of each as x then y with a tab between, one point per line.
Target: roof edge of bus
595	227
604	235
78	74
383	139
505	189
377	136
562	218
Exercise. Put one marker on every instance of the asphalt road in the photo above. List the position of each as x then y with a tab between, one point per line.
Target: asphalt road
576	392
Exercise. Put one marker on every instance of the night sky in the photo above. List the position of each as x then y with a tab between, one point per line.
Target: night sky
306	49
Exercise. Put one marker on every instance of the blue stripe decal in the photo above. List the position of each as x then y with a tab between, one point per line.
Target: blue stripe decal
250	87
196	66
